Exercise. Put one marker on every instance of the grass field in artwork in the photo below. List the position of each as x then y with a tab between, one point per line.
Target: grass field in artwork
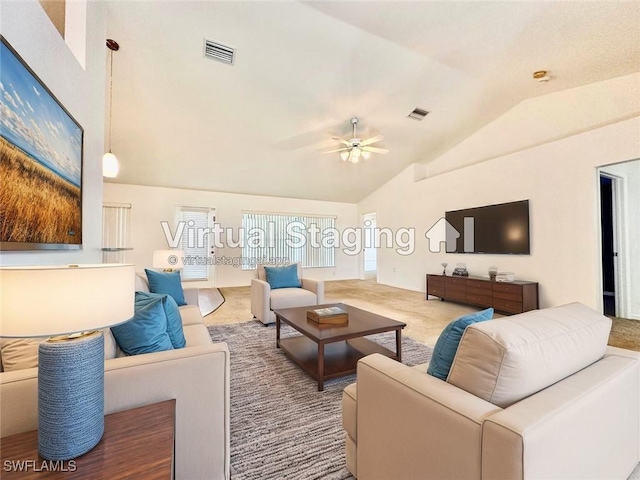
36	205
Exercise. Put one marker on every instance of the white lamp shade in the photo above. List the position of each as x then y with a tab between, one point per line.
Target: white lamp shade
59	300
110	166
173	259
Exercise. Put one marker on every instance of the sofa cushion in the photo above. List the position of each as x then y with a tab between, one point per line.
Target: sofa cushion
349	411
146	332
283	277
448	341
174	319
197	335
141	283
21	353
292	297
508	359
166	282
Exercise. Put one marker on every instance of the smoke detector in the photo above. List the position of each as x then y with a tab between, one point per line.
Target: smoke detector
541	76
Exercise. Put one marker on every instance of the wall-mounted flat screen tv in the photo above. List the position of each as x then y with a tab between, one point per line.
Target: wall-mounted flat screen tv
40	162
494	229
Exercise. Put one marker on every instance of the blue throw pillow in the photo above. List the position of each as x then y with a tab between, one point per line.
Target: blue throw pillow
166	282
448	341
146	332
172	312
282	277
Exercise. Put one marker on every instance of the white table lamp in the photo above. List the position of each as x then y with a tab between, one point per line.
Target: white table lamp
168	260
67	303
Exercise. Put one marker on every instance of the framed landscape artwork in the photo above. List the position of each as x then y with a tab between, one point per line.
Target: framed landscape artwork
40	162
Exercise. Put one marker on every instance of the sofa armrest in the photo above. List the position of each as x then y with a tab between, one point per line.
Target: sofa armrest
315	286
260	300
560	432
191	295
191	315
409	423
197	377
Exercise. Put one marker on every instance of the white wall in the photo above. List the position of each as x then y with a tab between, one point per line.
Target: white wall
628	288
152	205
560	180
28	29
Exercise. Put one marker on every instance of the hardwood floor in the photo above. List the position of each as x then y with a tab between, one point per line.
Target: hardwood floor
425	319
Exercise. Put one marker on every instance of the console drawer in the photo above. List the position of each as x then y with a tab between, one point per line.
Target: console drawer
507	287
457	284
435	281
479	290
513	296
456	295
509	306
435	291
479	285
480	300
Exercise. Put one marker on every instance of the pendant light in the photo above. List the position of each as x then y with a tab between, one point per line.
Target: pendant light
110	165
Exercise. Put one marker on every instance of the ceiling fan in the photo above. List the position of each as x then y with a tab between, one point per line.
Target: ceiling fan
355	149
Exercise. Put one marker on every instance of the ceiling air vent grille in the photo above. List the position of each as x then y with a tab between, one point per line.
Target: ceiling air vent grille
418	114
220	52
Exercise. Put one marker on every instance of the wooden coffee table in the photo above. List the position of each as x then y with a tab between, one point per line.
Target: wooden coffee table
331	351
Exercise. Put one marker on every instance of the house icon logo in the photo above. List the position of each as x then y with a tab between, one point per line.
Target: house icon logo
443	232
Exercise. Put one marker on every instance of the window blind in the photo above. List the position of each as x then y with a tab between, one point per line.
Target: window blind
279	246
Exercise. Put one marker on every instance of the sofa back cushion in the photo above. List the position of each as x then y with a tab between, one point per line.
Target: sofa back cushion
506	360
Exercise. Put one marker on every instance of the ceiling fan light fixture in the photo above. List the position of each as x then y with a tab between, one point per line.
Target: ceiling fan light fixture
366	155
344	156
355	152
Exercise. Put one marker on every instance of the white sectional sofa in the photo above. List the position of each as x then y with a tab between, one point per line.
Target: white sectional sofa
536	395
197	376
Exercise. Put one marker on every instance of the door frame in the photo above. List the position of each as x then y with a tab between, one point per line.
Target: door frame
619	246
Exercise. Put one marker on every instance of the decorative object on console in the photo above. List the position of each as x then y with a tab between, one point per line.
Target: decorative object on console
70	299
460	270
110	165
356	148
493	271
168	260
329	316
167	282
505	277
444	268
37	163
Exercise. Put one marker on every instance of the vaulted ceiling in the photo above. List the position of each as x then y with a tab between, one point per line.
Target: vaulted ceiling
303	69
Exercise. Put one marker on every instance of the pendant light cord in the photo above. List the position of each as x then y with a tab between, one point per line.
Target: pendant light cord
110	95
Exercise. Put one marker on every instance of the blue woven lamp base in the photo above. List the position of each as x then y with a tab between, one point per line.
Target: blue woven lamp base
70	396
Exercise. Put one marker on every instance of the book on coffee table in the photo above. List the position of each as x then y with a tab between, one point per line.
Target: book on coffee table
329	315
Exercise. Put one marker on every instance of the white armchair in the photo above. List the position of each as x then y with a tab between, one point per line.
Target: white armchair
264	300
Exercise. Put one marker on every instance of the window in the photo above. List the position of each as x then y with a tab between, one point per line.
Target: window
195	241
286	239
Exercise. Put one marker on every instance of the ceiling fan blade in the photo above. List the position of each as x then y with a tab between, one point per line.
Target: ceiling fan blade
343	149
341	140
375	150
371	140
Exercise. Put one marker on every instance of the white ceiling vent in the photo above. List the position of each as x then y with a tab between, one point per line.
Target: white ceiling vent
418	114
218	51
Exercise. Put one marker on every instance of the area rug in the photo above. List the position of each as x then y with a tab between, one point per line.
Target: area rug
281	426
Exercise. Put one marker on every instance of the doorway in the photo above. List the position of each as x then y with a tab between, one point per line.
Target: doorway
608	189
370	252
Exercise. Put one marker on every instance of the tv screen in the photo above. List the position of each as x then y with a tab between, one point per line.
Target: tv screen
496	229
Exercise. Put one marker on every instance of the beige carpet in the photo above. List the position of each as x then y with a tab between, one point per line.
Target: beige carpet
425	319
